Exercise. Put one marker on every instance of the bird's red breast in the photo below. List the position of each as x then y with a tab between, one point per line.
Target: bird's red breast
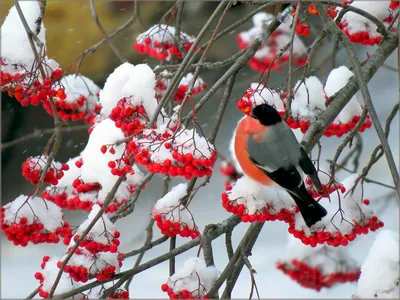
250	127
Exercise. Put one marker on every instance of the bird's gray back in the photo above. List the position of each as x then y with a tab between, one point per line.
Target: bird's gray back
279	148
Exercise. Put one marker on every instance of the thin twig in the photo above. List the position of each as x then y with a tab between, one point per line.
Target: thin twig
40	132
105	34
364	91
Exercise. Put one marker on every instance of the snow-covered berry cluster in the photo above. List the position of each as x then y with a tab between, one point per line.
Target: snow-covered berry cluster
77	100
33	219
361	30
32	167
269	55
159	42
185	153
328	187
342	224
309	102
193	281
164	82
48	275
302	26
320	267
171	215
254	202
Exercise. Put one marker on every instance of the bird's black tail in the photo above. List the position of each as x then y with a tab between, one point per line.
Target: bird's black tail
311	210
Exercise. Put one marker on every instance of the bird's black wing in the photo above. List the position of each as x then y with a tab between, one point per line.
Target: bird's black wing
308	168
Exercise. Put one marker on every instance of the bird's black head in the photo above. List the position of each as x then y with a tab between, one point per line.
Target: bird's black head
266	114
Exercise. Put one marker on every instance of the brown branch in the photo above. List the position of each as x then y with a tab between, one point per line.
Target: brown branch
40	132
221	228
107	201
105	34
362	83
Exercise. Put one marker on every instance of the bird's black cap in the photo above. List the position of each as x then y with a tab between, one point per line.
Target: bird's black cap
266	114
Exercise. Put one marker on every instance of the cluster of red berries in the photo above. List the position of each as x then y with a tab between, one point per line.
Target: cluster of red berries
131	119
302	28
363	37
335	239
78	274
182	88
343	128
33	94
312	10
121	166
95	247
21	233
228	170
326	190
33	165
119	294
171	228
159	49
313	277
271	60
181	164
39	276
77	110
261	216
184	294
245	104
161	86
394	4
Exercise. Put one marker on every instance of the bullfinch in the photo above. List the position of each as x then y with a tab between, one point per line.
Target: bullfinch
268	152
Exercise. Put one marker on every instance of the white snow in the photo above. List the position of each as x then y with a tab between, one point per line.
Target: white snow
308	99
77	85
170	208
48	213
50	273
337	79
15	46
102	231
194	276
380	271
162	33
255	196
353	209
260	94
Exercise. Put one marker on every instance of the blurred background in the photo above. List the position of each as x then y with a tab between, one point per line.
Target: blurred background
71	30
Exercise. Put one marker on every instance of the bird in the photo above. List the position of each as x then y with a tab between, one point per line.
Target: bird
268	152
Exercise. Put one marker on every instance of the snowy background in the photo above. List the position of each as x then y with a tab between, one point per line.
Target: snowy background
19	264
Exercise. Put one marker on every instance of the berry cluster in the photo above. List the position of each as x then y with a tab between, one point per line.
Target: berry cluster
119	294
326	189
178	158
158	42
336	239
313	277
302	28
184	294
268	213
339	129
78	274
164	82
93	246
131	119
173	228
21	225
77	110
228	170
32	167
37	91
364	37
22	233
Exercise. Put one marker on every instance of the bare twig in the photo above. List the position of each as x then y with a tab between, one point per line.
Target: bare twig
364	91
40	132
105	34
